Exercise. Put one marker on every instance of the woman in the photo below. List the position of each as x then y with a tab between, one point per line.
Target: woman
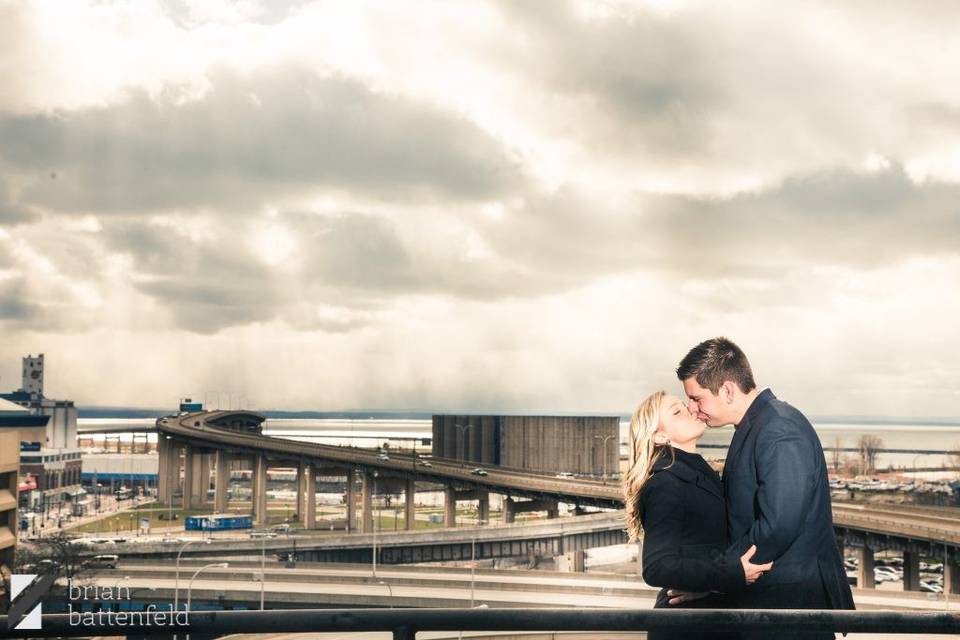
676	499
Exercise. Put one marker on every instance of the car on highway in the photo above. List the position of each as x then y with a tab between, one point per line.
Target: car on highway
425	463
479	472
564	474
383	456
106	561
263	534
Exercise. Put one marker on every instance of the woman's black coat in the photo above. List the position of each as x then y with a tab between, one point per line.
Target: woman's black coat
684	521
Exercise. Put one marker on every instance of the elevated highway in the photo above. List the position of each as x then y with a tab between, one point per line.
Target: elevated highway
864	528
197	430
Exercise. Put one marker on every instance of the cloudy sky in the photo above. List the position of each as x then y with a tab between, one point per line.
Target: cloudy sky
518	206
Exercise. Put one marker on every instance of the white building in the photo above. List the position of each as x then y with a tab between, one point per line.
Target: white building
48	453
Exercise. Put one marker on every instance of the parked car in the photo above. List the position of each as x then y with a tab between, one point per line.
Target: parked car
886	574
930	587
106	561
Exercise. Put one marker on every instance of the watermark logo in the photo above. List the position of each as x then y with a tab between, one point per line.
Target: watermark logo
26	592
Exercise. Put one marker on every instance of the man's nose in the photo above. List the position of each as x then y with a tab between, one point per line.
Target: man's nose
693	407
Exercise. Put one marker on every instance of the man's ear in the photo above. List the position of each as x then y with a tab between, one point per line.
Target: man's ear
729	391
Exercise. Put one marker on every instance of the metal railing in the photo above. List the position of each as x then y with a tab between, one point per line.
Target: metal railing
406	623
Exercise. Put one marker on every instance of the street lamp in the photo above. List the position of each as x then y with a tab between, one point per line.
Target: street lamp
390	589
116	590
603	448
461	431
263	567
915	467
473	558
374	550
176	590
170	501
221	565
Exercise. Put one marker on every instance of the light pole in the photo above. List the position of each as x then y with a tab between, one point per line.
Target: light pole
461	431
170	501
473	559
603	447
915	467
221	565
390	589
374	550
176	590
116	589
263	567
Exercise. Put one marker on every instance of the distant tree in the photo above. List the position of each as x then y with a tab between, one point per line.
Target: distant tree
953	458
869	448
836	455
57	552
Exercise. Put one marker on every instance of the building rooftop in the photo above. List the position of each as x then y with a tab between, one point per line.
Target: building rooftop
8	407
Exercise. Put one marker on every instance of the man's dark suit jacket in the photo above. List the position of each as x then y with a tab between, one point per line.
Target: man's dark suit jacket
778	498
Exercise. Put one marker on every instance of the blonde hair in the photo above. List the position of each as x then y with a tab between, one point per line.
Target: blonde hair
644	452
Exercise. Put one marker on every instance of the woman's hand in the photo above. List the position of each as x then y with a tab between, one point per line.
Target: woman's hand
753	571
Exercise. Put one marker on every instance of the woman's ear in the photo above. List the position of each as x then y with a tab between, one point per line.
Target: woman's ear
661	438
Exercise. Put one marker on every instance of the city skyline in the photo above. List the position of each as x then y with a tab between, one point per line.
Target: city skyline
480	206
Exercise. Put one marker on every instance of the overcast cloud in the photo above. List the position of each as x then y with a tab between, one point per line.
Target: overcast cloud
533	206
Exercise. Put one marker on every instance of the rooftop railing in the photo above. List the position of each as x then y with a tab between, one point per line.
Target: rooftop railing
404	624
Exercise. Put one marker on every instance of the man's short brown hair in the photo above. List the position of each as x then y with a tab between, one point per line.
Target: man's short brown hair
715	360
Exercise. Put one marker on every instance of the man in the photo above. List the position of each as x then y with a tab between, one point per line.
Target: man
775	486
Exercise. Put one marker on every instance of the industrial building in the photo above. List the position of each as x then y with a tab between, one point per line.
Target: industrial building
116	469
581	445
49	455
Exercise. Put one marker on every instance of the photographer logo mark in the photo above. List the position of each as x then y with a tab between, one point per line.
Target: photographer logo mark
26	592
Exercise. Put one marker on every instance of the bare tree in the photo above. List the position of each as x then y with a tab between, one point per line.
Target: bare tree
56	552
836	457
953	458
869	447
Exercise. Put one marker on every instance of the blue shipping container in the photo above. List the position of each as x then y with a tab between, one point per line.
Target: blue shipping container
218	522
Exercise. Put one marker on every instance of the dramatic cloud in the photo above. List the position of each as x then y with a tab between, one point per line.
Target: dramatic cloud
480	205
277	135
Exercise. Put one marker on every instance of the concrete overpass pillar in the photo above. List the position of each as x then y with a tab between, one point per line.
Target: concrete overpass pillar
163	464
309	514
188	456
508	511
222	482
553	511
865	577
911	571
301	489
351	500
366	498
259	491
450	506
483	506
202	483
173	471
951	578
572	561
410	510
